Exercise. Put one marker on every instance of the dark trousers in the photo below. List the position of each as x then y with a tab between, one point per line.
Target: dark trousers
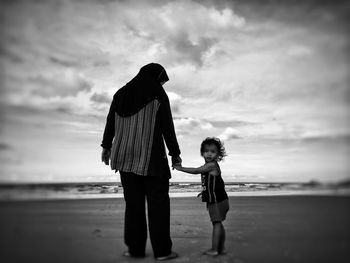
156	190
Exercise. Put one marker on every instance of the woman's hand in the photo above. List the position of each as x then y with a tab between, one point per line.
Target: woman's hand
105	156
177	166
175	160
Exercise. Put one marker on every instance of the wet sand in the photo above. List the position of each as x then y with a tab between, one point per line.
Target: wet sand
258	229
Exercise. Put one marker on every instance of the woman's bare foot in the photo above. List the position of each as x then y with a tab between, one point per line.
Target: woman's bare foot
170	256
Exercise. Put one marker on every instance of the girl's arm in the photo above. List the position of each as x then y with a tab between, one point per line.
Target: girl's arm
199	170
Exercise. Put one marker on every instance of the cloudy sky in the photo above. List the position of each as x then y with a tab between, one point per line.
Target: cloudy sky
270	78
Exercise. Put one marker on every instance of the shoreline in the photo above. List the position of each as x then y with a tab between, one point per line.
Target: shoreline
64	196
71	191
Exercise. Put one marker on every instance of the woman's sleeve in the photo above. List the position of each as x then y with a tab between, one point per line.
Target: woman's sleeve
108	134
167	126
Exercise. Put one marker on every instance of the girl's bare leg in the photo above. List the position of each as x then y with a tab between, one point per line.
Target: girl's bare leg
216	239
217	232
222	240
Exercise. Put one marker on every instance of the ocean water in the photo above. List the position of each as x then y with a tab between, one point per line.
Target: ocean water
13	192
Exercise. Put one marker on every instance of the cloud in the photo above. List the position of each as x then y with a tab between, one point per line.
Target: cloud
64	62
299	51
61	84
175	40
220	124
188	125
5	146
101	98
175	102
276	72
229	134
187	50
325	136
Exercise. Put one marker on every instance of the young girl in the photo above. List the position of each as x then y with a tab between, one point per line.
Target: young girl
213	193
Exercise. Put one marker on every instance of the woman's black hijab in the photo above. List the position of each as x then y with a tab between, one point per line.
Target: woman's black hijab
141	90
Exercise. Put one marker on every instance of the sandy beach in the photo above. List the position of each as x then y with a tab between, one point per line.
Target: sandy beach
258	229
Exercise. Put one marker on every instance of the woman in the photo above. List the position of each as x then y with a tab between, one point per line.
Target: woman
138	120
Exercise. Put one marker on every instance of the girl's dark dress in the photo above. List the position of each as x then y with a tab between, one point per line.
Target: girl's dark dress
213	187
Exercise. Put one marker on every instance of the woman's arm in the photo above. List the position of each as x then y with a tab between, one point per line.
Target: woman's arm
199	170
167	127
108	134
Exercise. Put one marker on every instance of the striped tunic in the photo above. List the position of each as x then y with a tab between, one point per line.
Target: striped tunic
133	139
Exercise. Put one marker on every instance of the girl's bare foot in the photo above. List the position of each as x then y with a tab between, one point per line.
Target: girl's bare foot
211	252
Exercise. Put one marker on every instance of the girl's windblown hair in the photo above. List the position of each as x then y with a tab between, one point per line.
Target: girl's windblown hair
219	145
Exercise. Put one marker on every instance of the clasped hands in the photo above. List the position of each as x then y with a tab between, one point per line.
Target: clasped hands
176	162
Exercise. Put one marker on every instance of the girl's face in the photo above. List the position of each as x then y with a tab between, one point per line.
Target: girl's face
210	153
